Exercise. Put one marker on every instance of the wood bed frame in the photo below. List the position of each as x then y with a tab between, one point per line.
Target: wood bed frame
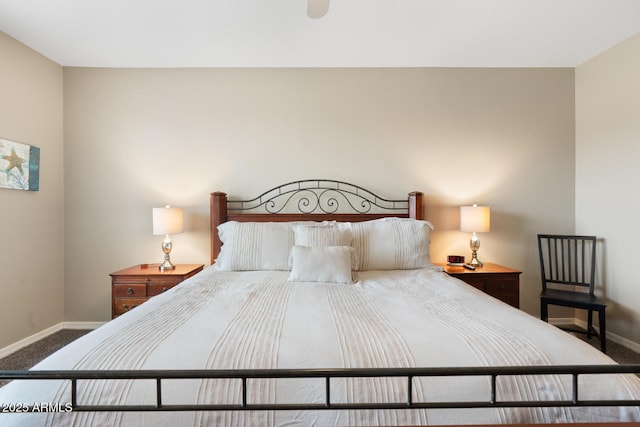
319	200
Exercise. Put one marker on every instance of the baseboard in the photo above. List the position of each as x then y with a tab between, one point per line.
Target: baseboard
613	337
631	345
6	351
82	325
29	340
563	321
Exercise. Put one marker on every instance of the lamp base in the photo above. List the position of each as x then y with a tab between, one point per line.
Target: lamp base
166	264
166	248
474	260
474	244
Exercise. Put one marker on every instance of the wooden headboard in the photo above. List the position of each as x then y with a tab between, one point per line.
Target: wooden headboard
310	200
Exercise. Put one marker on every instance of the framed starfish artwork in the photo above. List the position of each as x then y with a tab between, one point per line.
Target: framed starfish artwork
19	166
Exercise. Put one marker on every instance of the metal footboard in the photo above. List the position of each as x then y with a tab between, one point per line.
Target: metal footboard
408	374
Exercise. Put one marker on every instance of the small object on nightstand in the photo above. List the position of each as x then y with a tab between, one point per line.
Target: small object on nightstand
469	266
455	260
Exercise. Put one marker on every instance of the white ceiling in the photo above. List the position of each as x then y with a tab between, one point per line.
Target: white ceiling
354	33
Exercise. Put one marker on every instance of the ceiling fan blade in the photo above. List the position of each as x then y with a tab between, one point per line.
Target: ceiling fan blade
317	8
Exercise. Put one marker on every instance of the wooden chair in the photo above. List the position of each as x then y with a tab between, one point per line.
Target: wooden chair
567	266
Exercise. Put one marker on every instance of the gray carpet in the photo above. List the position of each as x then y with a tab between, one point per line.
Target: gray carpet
28	356
617	352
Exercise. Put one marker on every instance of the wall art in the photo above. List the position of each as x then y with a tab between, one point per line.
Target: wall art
19	166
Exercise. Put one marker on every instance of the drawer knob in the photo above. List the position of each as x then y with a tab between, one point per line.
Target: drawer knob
127	307
164	289
130	291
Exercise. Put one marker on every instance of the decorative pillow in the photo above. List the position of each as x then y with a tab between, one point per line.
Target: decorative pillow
255	245
325	234
391	244
331	264
330	234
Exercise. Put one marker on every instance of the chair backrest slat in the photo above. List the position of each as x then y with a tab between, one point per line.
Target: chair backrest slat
567	260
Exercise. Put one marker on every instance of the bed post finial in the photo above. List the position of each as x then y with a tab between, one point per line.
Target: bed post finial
218	216
415	205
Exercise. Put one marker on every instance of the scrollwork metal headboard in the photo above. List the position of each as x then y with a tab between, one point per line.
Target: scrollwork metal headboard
310	199
319	196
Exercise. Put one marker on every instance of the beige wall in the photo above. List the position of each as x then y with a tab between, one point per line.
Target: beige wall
31	223
137	139
607	167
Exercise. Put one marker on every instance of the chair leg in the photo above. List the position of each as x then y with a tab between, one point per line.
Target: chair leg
603	332
589	324
544	311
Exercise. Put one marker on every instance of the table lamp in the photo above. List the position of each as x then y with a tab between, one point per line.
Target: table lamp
167	221
475	219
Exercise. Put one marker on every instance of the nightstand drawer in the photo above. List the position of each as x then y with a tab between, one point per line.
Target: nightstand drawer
147	279
502	287
122	305
475	281
513	301
129	290
158	288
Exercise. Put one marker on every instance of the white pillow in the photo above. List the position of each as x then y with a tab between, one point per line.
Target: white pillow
330	264
255	245
391	244
329	234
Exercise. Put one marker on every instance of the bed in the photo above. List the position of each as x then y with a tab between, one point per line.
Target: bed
313	316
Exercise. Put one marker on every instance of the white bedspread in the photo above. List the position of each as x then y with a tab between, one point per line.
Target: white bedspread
411	318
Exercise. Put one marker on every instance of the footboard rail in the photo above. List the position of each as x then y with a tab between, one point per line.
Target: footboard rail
408	375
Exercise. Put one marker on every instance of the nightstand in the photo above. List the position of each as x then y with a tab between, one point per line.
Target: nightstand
494	279
135	285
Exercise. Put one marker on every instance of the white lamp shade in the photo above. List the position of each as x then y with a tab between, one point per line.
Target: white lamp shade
167	220
475	219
